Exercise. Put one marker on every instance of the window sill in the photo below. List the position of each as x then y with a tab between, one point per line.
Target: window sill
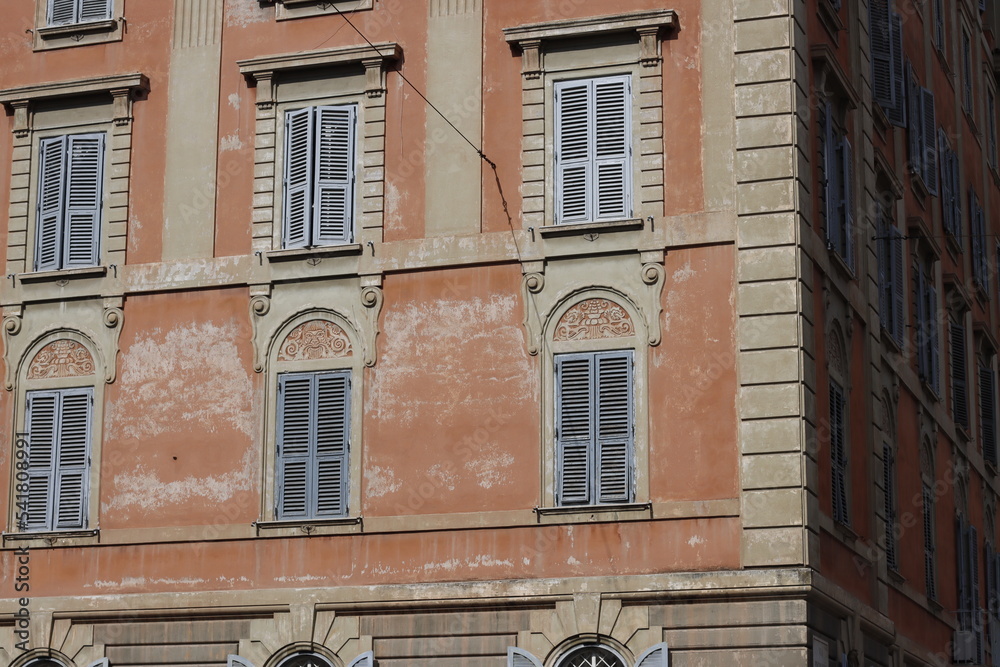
845	269
42	539
895	576
309	527
68	30
845	532
594	513
63	274
296	9
311	253
582	228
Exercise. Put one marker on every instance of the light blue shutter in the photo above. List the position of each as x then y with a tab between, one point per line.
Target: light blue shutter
295	411
366	659
73	458
897	114
42	417
889	505
613	393
237	661
333	188
95	10
657	656
520	658
574	151
297	191
51	198
333	413
613	141
838	452
574	428
62	12
84	186
929	145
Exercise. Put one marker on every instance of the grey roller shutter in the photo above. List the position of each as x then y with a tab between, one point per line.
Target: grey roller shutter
333	186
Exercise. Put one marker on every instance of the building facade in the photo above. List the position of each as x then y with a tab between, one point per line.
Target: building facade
499	332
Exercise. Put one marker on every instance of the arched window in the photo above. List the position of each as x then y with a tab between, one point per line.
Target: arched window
592	656
306	660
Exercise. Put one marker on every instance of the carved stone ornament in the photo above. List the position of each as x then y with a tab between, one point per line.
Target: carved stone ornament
61	359
594	319
835	351
371	300
532	283
315	339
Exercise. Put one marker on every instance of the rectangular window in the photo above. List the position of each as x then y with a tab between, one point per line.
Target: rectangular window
595	428
837	185
922	134
980	263
66	12
967	566
593	141
70	200
991	129
320	176
959	383
966	72
888	63
927	328
951	192
892	288
988	412
889	506
939	32
930	567
58	434
313	441
838	452
992	568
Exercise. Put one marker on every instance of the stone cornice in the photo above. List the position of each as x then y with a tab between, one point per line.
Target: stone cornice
257	68
73	87
593	25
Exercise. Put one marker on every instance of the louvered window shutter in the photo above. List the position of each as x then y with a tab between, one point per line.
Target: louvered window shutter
295	415
929	565
946	194
987	413
933	343
613	397
42	418
982	268
991	129
956	196
897	114
966	72
882	251
959	387
962	571
656	656
974	605
833	170
520	658
297	193
333	412
977	239
333	189
988	572
898	250
613	148
83	200
574	151
922	333
237	661
838	452
826	161
366	659
95	10
889	505
915	130
73	459
881	48
847	203
929	160
939	24
574	428
62	12
51	198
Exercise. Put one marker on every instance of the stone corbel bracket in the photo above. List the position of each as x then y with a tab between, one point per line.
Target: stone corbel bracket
260	306
654	276
371	302
532	283
114	319
12	324
374	59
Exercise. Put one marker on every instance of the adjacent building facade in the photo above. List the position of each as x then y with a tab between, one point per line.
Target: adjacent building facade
479	332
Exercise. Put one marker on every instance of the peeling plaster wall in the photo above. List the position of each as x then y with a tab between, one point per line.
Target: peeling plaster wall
452	413
182	420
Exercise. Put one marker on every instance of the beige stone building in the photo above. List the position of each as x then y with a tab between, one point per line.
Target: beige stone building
560	333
